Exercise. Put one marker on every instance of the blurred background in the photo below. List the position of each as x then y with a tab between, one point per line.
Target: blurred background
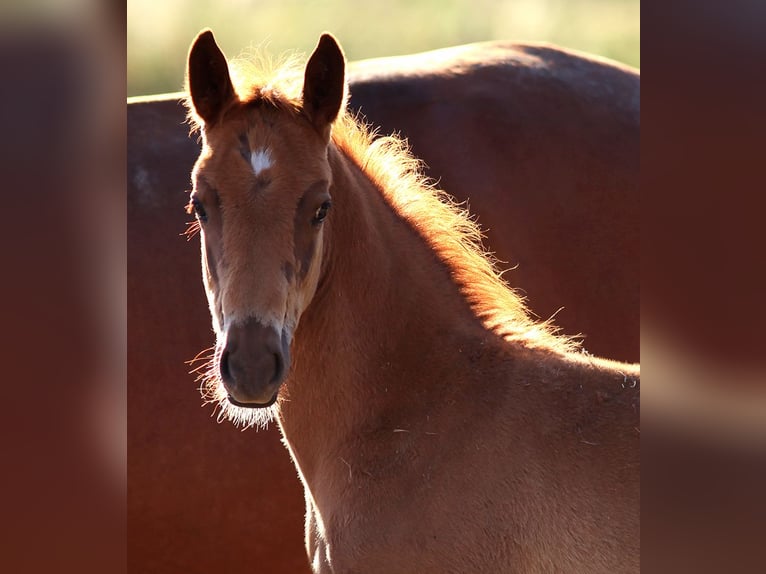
159	33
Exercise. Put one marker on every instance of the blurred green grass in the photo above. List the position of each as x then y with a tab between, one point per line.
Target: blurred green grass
160	31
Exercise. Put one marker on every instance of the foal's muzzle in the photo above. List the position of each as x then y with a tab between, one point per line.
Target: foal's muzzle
253	364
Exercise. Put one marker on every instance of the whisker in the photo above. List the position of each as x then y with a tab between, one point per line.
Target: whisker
199	357
193	227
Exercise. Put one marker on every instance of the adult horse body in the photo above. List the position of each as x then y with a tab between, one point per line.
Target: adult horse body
543	144
435	426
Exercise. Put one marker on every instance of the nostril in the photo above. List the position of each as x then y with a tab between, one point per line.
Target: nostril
223	367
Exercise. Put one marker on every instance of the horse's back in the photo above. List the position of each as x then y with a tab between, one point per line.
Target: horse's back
543	143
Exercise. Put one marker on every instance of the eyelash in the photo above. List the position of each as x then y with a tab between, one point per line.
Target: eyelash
321	213
195	207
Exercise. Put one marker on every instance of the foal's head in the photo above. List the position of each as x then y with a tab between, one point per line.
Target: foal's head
261	196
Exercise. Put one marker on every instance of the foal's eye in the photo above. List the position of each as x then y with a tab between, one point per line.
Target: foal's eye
199	209
321	212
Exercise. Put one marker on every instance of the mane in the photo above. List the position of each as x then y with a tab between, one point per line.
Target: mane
446	226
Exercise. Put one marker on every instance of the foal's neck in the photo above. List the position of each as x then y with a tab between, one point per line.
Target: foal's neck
386	312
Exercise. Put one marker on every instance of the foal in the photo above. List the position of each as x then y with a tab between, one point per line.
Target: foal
435	426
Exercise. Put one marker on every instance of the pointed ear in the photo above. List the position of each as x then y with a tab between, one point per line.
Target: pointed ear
207	78
324	84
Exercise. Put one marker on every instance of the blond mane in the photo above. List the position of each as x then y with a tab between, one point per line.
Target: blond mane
446	226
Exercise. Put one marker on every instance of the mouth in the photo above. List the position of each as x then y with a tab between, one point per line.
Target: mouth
235	402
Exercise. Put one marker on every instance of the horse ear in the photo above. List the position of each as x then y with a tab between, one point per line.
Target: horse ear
207	77
324	84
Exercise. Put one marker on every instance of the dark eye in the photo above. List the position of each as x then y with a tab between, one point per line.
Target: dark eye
199	210
321	212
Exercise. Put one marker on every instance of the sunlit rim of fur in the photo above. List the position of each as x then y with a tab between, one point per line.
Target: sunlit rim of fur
212	390
448	228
